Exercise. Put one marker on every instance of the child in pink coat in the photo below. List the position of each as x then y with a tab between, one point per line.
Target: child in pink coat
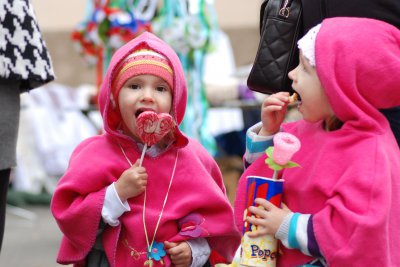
343	203
173	209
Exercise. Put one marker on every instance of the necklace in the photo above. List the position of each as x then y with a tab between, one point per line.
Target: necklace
159	247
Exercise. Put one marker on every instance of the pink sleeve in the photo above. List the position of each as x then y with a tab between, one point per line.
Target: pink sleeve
240	202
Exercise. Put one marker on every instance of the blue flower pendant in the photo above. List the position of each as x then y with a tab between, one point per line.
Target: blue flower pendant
156	252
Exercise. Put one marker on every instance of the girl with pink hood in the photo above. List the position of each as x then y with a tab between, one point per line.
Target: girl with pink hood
170	210
343	203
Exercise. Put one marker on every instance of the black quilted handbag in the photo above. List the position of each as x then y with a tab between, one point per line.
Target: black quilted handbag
280	28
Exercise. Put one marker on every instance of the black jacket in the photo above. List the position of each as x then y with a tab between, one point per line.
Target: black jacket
314	11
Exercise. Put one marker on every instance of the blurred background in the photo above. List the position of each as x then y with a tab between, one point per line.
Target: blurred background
81	37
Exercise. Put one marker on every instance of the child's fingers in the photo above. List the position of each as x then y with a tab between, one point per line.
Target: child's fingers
283	94
136	164
137	167
258	233
258	211
265	203
272	105
280	98
261	226
271	109
255	221
175	251
272	101
180	255
169	245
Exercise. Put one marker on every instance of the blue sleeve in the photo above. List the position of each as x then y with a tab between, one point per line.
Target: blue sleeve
255	144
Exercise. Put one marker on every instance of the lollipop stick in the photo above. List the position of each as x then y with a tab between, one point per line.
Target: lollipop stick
275	175
142	156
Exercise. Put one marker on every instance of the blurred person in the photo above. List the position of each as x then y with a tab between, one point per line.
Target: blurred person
25	64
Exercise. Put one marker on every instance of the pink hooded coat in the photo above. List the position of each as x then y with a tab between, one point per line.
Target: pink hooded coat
197	189
349	178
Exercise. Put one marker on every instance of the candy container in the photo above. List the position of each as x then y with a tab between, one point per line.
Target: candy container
260	251
152	127
263	251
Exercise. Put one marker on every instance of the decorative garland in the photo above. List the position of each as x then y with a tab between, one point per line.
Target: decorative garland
107	26
189	26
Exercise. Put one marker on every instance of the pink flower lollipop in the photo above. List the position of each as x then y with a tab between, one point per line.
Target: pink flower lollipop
152	127
285	145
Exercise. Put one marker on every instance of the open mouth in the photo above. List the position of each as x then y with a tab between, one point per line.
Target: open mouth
294	99
298	95
298	102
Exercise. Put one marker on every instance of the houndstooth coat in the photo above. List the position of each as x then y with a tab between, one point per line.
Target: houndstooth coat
24	64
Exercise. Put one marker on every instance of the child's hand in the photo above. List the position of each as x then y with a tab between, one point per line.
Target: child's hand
273	111
179	253
268	217
132	182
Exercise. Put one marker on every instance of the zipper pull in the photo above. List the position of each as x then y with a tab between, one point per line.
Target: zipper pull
285	11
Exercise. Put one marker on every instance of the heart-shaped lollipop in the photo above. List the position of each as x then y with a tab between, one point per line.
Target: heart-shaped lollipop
152	127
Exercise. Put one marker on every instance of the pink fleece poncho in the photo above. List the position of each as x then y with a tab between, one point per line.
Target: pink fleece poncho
197	192
349	178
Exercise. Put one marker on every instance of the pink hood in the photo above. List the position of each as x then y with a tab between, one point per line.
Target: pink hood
111	117
350	178
359	75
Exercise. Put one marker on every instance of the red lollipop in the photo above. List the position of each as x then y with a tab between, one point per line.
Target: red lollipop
152	127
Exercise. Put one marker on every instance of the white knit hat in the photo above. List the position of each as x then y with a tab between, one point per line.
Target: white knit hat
307	44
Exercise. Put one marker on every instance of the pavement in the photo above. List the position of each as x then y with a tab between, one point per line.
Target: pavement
31	238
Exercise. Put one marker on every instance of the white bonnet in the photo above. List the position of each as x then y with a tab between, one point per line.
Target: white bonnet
307	44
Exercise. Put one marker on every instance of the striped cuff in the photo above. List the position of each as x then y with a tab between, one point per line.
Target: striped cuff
256	144
292	231
296	232
312	245
283	231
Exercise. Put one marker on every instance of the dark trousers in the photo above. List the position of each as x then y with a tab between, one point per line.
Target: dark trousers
4	182
393	116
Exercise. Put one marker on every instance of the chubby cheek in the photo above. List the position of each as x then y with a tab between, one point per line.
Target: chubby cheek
134	131
165	104
306	111
129	126
127	117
